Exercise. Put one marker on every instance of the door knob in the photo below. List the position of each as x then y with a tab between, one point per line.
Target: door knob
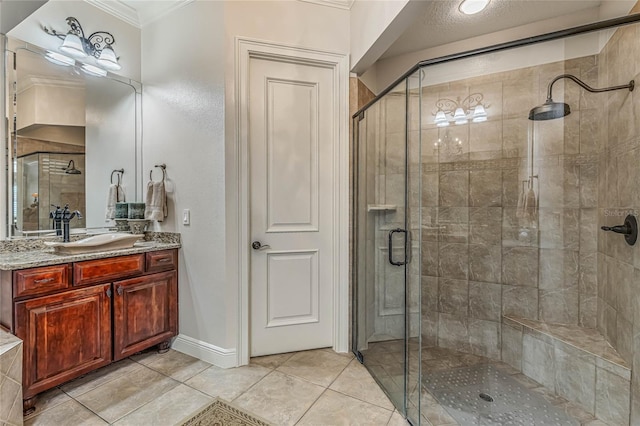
257	245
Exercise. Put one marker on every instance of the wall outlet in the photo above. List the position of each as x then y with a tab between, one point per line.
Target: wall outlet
186	217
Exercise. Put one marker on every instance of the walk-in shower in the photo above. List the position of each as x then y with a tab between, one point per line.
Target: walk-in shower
485	291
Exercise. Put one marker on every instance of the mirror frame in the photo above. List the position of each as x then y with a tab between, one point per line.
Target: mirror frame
7	144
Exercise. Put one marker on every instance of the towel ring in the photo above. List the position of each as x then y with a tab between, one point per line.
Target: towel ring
119	172
164	173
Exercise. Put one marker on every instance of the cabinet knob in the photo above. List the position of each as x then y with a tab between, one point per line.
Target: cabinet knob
109	292
120	290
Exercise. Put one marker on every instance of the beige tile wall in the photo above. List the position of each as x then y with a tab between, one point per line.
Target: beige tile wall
10	379
480	259
618	264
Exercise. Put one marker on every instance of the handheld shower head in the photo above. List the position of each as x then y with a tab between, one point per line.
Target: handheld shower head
71	169
551	110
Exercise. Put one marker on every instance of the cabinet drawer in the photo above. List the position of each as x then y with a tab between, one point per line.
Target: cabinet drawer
164	260
34	281
104	270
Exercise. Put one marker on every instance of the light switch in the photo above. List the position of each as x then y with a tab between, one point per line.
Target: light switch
186	217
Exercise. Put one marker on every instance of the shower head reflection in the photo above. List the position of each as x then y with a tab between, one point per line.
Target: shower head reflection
71	169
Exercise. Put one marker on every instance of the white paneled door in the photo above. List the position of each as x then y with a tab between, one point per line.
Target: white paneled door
291	141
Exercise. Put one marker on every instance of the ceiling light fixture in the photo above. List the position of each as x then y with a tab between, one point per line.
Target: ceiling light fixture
471	7
461	111
98	45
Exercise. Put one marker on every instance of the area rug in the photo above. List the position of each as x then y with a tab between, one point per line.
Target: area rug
220	413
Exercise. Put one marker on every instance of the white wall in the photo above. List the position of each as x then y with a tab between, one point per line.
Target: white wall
183	126
110	137
12	12
375	25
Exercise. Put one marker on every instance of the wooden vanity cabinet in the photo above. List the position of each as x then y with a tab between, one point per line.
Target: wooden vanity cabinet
65	335
76	317
144	312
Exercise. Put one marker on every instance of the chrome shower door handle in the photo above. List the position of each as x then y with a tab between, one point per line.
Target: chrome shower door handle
257	245
394	231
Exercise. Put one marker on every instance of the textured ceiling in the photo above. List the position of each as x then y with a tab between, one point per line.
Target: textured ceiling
441	22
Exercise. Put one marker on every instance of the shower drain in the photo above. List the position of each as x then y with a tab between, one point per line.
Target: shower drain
485	397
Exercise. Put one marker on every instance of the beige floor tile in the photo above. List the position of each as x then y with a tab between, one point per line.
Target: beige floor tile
342	354
49	399
397	420
150	355
272	361
279	398
67	413
333	408
317	366
178	366
99	377
227	383
170	408
121	396
356	381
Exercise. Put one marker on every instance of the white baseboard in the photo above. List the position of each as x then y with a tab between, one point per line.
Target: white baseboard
220	357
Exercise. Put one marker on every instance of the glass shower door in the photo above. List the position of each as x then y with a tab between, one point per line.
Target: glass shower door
382	316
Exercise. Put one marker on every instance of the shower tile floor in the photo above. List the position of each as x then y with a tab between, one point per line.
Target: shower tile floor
450	392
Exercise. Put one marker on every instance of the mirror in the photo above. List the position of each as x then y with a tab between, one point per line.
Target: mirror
71	131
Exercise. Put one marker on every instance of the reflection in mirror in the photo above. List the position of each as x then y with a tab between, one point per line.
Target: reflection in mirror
71	130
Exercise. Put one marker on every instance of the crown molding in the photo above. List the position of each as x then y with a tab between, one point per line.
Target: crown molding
142	15
118	9
35	80
339	4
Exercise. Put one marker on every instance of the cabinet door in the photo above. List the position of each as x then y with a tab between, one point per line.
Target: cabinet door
65	335
145	312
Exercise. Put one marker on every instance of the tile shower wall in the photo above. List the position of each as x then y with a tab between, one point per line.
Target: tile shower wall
480	257
618	264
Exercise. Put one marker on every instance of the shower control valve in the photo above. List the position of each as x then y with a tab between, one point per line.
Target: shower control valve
629	229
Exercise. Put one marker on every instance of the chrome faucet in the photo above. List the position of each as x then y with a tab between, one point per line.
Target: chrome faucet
67	215
56	215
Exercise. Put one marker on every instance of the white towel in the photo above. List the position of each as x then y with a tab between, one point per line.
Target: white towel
115	195
156	202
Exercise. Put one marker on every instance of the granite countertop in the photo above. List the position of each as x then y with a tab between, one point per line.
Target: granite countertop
40	255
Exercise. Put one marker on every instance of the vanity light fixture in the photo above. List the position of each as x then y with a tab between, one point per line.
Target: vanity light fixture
93	70
59	59
461	111
98	45
471	7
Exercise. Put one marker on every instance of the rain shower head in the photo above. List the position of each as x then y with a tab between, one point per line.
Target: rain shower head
71	169
551	110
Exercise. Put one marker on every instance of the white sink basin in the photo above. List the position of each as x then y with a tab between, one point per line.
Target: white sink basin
102	242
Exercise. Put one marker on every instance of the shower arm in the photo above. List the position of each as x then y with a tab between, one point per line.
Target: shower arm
585	86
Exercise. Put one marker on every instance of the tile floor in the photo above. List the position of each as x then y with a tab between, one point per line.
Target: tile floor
318	387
